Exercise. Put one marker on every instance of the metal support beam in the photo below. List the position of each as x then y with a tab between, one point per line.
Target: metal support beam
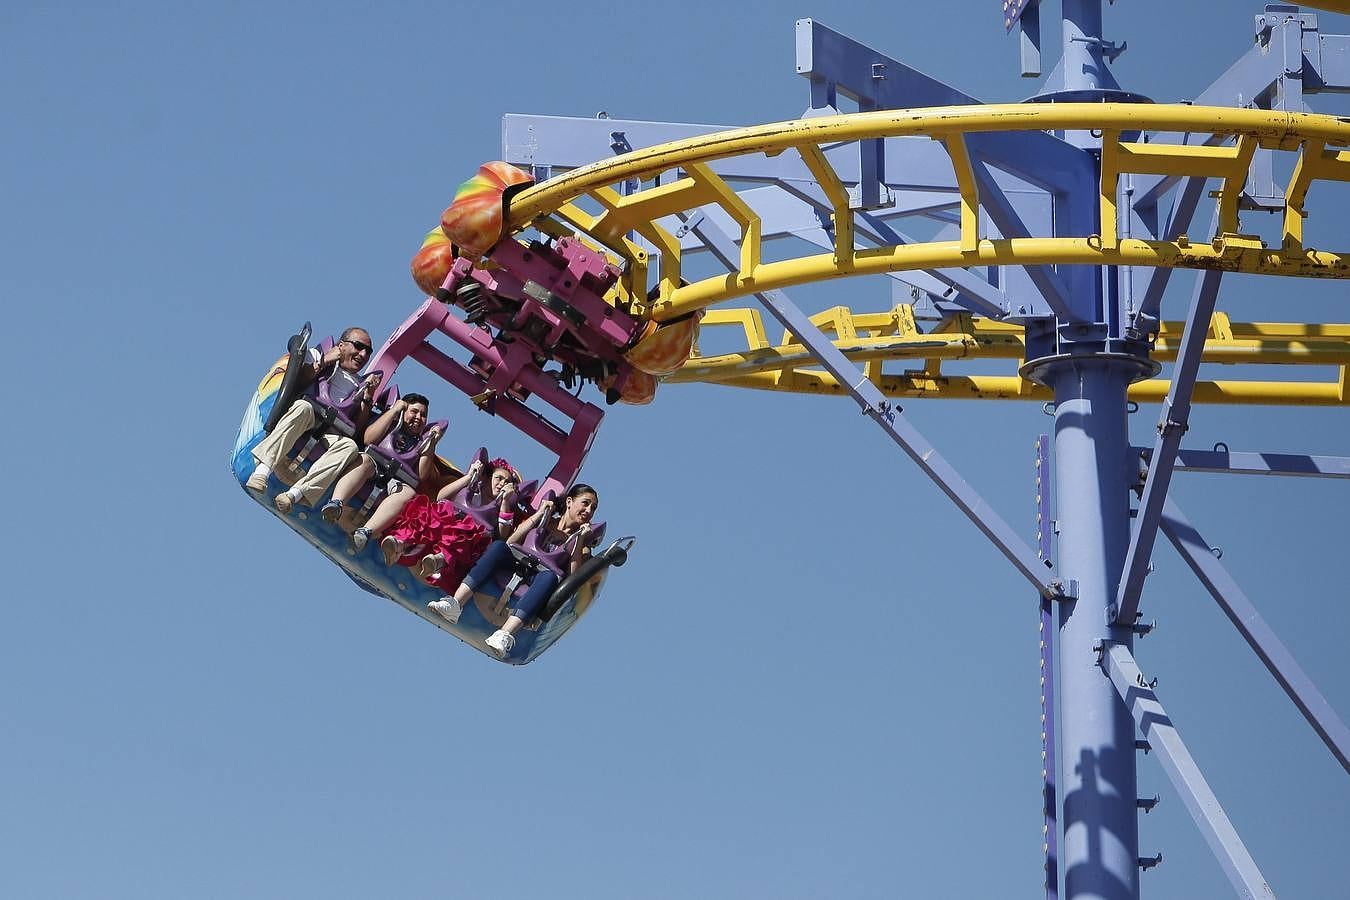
1239	462
975	294
1183	210
877	81
1331	75
1172	424
1258	635
1251	78
1010	225
1098	780
1166	743
875	405
1049	754
1029	39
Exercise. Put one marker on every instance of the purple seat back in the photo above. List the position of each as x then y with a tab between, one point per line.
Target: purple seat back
484	514
484	510
405	463
555	558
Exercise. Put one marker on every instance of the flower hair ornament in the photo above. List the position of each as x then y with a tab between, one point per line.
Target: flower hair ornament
500	463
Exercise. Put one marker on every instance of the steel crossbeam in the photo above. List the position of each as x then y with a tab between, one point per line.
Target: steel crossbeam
1178	220
1239	462
975	294
1172	424
889	418
835	62
1157	728
1258	635
1010	224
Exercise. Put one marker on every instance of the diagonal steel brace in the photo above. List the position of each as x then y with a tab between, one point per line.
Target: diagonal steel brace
1010	225
1240	611
1172	424
875	405
1176	760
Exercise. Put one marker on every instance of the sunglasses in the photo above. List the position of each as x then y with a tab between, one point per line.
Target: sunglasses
360	345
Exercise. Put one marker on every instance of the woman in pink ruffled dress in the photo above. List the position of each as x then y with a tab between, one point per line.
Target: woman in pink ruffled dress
439	540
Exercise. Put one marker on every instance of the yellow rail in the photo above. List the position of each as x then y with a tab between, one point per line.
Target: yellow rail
875	337
679	180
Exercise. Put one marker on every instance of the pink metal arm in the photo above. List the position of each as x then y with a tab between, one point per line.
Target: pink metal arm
512	366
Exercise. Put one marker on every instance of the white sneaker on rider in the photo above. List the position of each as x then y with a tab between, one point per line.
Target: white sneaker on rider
447	608
501	643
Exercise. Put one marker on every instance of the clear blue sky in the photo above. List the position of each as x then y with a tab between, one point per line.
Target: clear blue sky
814	680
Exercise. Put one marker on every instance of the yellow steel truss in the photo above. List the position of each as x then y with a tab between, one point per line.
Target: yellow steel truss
679	179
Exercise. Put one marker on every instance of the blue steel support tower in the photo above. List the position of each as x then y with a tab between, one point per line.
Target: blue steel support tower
1090	368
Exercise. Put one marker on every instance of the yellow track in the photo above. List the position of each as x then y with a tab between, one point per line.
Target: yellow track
1225	139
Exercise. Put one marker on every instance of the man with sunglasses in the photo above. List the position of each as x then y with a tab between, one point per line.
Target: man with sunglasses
340	367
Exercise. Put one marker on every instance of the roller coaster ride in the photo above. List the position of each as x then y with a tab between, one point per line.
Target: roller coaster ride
1048	234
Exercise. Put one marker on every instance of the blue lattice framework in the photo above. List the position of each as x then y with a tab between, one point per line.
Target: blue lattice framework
1088	335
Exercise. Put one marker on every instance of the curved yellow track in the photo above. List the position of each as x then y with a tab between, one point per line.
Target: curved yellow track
677	180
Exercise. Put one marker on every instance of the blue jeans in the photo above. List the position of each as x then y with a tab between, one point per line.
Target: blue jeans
499	557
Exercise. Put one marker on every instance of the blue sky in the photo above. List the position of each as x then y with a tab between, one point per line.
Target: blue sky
814	679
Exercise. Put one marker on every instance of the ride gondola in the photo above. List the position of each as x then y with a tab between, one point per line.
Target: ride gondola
538	319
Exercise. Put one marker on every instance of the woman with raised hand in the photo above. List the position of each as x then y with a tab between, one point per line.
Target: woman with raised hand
441	540
569	529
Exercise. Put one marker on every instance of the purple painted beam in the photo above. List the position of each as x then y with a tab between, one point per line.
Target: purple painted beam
1183	210
1258	635
1010	225
1157	728
1172	424
1248	462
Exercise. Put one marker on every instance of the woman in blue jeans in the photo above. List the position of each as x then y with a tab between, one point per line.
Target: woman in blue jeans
571	529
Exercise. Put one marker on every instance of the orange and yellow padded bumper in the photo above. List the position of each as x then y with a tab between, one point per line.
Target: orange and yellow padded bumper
432	263
665	347
476	220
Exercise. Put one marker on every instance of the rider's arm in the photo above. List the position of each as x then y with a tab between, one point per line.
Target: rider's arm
429	448
457	485
524	527
364	400
315	365
376	431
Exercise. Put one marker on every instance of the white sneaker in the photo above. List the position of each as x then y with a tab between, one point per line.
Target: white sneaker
447	608
257	480
501	643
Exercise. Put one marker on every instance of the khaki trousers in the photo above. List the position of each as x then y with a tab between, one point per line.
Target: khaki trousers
339	452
